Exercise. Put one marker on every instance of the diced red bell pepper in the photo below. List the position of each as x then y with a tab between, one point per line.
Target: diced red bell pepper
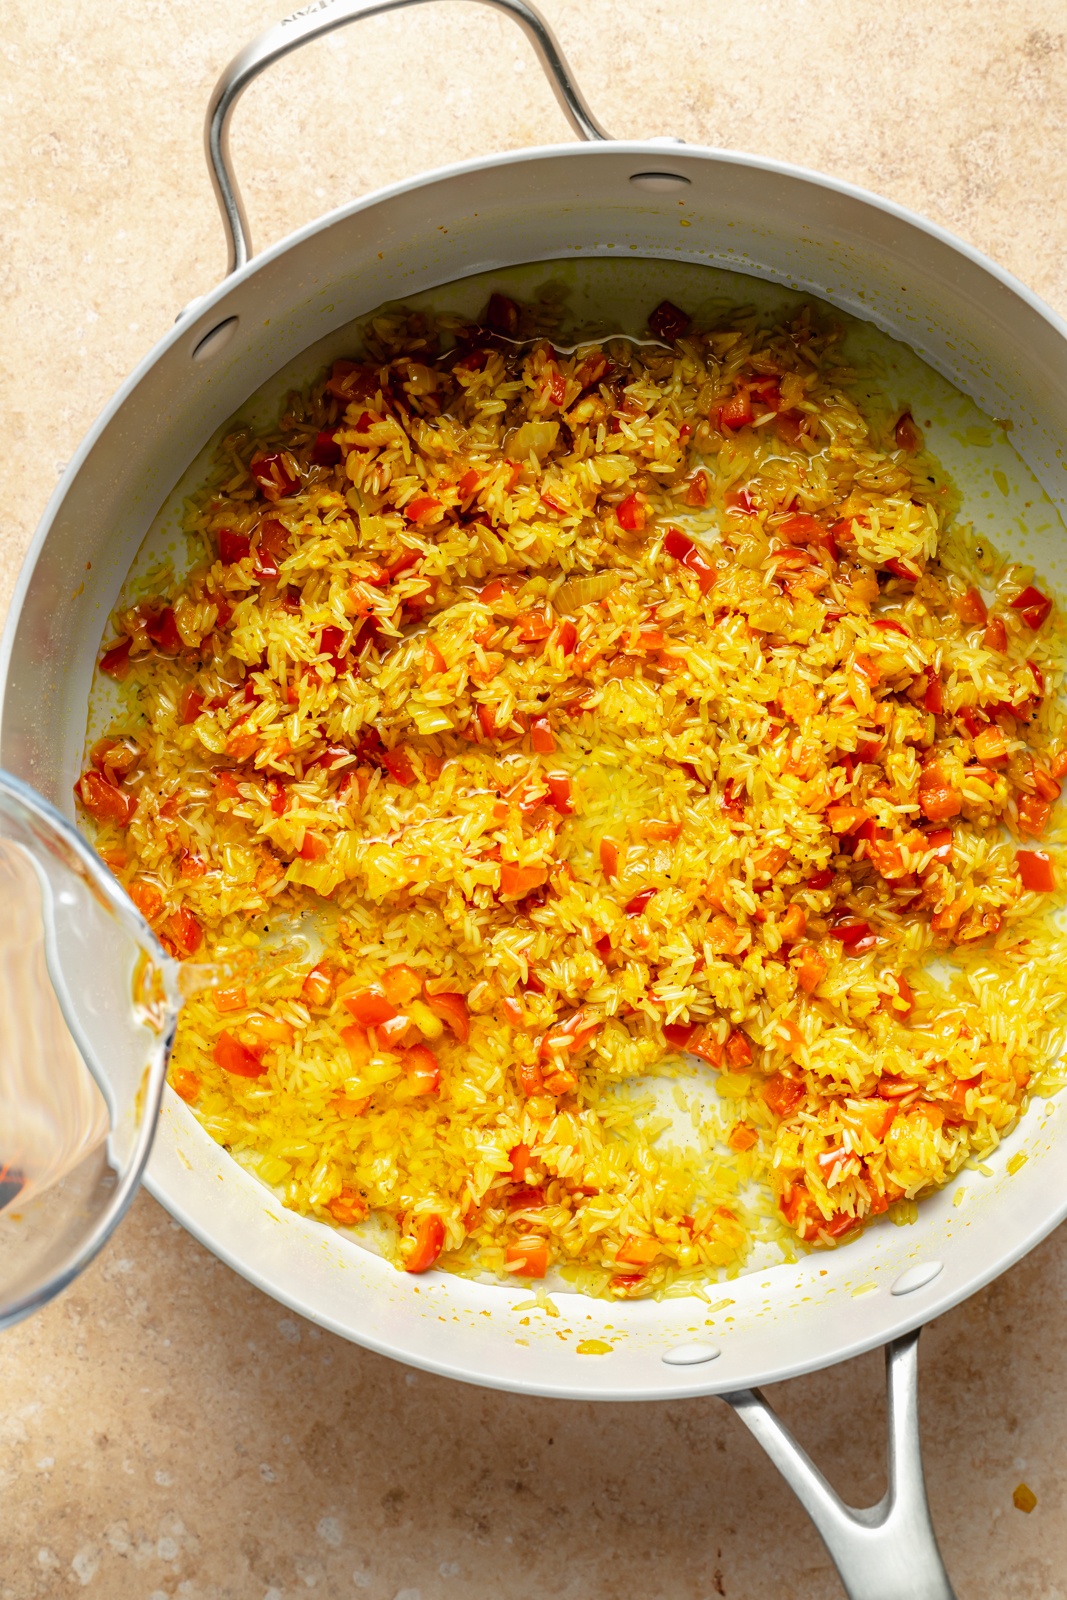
226	786
851	932
433	662
640	900
421	508
369	1006
684	550
1036	871
190	705
326	452
741	501
272	549
904	1004
544	740
678	1034
609	857
236	1058
103	800
502	315
738	1049
233	546
934	698
421	1068
531	628
266	568
733	797
116	758
938	799
566	636
668	322
559	789
846	819
429	1241
677	544
802	528
147	898
697	492
811	967
351	380
273	474
782	1095
571	1035
162	628
820	880
631	513
901	568
736	412
940	842
991	747
971	608
318	985
331	643
531	1078
116	661
186	931
401	983
768	391
704	1043
1034	814
527	1257
556	386
996	635
973	720
1047	785
519	1156
1033	606
452	1009
398	764
516	881
907	434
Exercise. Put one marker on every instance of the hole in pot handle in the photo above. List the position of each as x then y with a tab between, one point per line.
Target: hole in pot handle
321	17
882	1552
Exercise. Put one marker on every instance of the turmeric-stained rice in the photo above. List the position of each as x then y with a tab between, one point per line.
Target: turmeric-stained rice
534	720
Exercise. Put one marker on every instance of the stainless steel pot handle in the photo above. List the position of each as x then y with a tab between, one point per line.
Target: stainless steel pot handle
323	16
883	1552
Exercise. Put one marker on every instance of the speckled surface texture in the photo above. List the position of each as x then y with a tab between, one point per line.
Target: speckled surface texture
165	1430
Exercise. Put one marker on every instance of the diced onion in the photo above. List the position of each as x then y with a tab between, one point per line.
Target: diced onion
578	592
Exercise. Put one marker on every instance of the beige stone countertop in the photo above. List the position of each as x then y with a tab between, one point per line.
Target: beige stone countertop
166	1430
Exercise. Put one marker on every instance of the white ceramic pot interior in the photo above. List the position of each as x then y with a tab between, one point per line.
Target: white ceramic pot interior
256	333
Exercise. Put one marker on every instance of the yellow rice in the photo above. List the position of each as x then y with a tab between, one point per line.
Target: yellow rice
672	554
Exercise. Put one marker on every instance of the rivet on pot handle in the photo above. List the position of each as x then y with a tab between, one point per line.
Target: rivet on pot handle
882	1552
323	16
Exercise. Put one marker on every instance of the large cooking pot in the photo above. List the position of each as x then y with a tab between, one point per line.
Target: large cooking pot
962	314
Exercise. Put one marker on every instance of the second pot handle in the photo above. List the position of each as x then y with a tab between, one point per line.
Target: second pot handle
883	1552
321	17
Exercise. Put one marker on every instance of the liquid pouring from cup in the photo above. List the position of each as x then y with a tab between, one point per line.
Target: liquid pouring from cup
89	1001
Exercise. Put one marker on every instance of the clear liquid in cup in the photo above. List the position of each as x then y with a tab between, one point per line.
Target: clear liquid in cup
87	1007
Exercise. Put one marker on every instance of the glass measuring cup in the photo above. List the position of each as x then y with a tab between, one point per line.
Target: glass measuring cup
88	1005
